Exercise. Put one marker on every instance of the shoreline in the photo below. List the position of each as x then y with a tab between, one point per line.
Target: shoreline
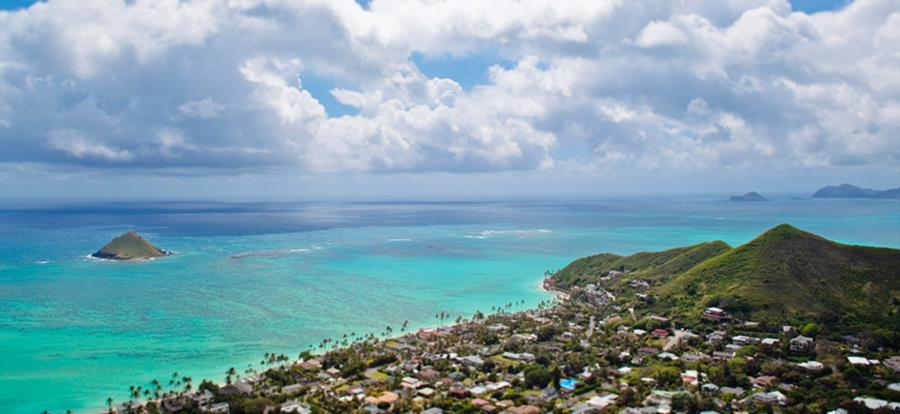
541	284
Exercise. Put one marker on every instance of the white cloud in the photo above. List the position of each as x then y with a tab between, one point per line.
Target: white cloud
171	143
658	33
275	92
218	85
77	145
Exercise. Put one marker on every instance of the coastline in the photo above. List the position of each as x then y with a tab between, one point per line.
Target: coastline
415	331
466	363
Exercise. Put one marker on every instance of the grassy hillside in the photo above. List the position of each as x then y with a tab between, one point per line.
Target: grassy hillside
649	265
783	275
129	246
789	274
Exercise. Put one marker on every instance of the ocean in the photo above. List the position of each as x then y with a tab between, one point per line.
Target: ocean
252	278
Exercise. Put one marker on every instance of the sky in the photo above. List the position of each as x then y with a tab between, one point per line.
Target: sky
288	99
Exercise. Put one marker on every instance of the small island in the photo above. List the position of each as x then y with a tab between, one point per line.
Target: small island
129	246
751	196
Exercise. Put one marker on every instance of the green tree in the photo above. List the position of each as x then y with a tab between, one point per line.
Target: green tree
537	376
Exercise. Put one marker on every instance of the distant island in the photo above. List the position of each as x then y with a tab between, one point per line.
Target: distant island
129	246
755	328
751	196
852	191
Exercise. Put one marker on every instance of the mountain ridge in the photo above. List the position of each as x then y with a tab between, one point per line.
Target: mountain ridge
784	275
852	191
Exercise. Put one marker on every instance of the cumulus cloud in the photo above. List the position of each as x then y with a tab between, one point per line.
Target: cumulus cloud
219	85
77	145
658	33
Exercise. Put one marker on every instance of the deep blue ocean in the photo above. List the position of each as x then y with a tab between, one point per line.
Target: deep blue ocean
251	278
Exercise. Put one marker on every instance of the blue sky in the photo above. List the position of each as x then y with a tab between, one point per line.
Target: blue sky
15	4
416	98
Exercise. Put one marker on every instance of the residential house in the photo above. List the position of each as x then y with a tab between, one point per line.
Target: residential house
770	342
893	363
812	366
715	314
763	381
745	340
801	343
220	408
769	398
855	360
472	361
235	388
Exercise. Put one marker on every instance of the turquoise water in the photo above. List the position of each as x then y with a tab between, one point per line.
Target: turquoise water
254	278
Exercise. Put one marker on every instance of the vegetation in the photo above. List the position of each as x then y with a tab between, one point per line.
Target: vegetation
785	275
788	275
650	265
129	246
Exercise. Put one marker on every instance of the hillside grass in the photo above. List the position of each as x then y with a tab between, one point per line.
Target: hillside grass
129	246
785	275
648	265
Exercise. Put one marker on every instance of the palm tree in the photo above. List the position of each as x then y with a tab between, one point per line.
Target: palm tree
135	392
157	387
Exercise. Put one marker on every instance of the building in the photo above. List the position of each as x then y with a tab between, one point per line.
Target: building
855	360
893	363
220	408
235	388
770	342
811	366
295	407
801	343
745	340
715	314
769	398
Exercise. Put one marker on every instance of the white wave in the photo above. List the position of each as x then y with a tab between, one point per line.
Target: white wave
97	259
518	233
275	253
402	239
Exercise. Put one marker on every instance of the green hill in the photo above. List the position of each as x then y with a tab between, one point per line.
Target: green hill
789	274
129	246
648	265
783	275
